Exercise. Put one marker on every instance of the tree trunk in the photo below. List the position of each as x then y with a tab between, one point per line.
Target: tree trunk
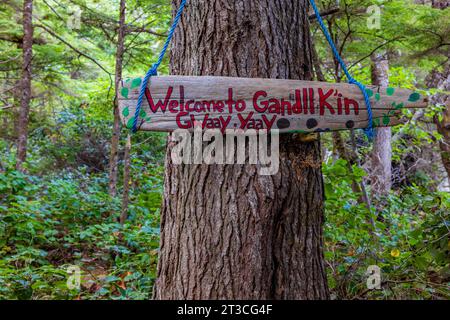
441	80
381	164
227	232
26	83
126	181
113	159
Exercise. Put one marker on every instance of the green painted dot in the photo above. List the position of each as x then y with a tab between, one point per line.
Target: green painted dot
414	97
386	120
399	106
126	112
390	91
124	92
130	123
148	119
376	122
136	83
369	93
142	114
128	80
377	96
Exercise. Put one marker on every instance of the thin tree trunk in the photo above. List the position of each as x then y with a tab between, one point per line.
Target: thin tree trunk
26	83
441	80
126	181
345	154
227	232
316	63
113	159
381	157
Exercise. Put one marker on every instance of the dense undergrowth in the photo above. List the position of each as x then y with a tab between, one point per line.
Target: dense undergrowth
408	239
64	217
51	221
58	214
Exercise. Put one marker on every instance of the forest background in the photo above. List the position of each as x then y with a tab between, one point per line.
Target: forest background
77	190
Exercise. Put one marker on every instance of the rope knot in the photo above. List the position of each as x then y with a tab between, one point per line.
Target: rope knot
153	72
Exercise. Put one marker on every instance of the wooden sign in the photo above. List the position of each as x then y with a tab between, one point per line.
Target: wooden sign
182	102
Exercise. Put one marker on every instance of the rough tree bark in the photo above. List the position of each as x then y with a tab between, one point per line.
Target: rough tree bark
381	156
114	156
24	112
227	232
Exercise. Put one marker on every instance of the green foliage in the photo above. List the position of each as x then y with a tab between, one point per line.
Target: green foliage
409	240
47	224
59	213
412	33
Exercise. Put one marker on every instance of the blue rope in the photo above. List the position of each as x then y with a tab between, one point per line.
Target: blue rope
153	71
369	130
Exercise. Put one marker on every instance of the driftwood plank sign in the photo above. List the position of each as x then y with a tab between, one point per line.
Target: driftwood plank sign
182	102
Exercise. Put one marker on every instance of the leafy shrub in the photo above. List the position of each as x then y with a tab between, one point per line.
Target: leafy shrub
49	223
409	240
